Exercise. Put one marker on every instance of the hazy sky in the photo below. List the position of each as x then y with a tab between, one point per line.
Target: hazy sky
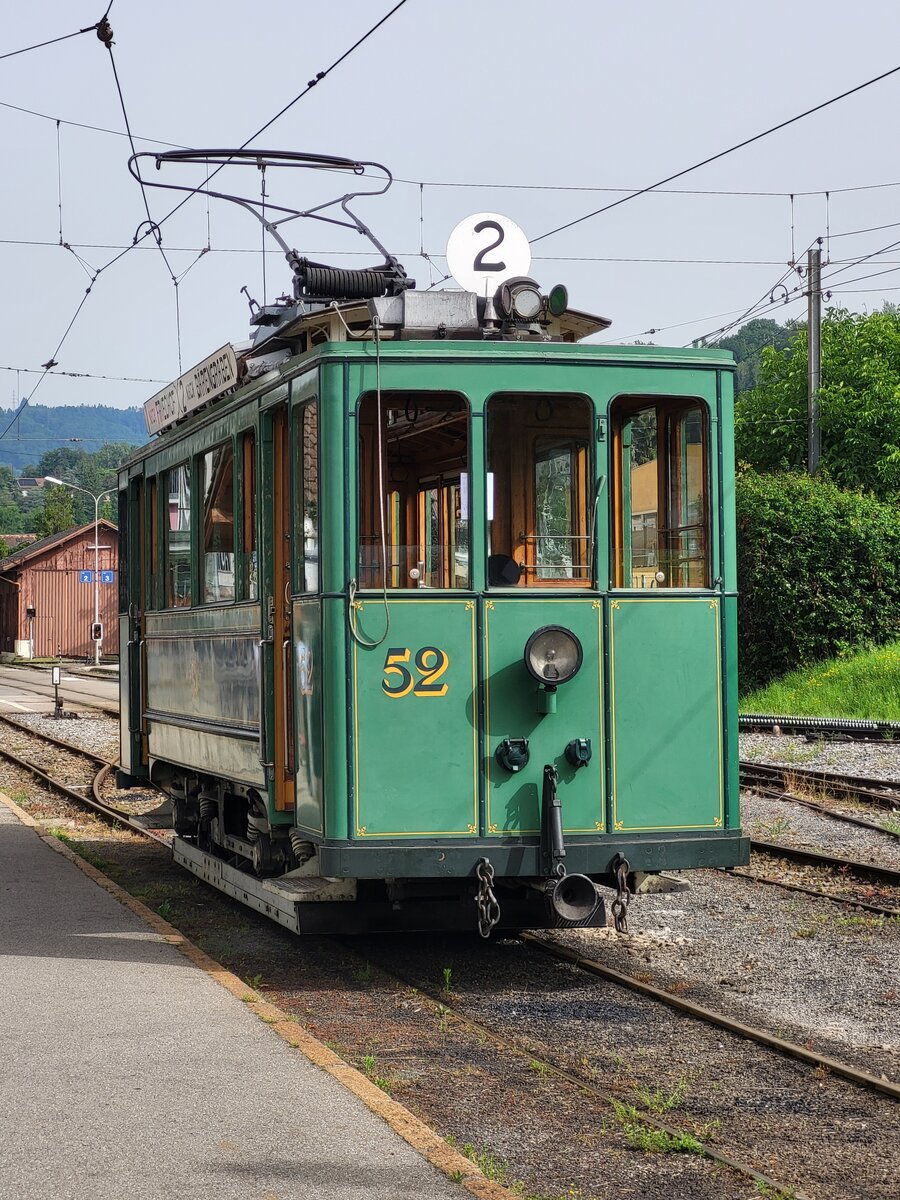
520	108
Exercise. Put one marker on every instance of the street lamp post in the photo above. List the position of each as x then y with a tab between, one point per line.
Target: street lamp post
96	499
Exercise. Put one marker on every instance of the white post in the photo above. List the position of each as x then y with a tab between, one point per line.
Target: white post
96	499
97	574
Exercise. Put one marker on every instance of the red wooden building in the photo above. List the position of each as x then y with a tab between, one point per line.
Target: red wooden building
47	594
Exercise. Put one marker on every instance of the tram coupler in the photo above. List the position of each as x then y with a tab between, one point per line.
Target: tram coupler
571	899
553	846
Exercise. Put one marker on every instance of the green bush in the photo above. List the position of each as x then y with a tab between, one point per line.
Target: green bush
818	573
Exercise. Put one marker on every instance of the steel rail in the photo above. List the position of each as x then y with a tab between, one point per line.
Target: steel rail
816	858
582	1082
849	901
721	1020
93	801
61	742
881	792
848	818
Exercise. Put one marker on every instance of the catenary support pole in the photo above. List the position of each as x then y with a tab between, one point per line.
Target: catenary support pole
814	363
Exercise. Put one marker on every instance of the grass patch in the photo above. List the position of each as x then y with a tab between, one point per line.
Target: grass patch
660	1102
79	848
491	1167
364	973
369	1063
770	1193
649	1139
864	685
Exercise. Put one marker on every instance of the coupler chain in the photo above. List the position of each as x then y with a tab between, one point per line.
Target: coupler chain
620	904
485	900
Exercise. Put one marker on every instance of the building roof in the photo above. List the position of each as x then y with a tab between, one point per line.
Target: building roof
17	539
55	539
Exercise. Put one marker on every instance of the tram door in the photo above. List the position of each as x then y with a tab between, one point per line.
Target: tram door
132	590
665	620
283	749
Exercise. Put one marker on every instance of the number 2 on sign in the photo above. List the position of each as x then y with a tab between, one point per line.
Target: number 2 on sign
430	663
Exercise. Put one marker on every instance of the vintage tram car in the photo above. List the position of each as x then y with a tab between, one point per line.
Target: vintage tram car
428	611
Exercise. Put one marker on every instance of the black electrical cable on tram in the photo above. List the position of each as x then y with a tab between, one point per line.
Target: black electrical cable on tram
714	157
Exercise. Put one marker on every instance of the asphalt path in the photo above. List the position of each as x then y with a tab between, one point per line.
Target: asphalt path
29	689
128	1074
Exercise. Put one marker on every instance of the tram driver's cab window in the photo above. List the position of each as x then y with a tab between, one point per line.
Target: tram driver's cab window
413	490
660	493
540	499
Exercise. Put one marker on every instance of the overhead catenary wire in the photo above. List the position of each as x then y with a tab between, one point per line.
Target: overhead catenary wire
721	154
151	224
85	375
508	186
53	41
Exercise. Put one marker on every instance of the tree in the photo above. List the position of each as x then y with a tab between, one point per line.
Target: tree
747	346
859	404
58	512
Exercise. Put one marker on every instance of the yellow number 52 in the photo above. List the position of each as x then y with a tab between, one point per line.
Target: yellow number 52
430	663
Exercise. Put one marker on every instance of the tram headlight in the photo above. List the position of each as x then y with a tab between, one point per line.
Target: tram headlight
520	299
553	655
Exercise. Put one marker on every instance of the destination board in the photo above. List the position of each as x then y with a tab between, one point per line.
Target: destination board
208	379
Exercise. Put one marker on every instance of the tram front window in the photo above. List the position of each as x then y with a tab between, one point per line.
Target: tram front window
413	490
660	493
540	520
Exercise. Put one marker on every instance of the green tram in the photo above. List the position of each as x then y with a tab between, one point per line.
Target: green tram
428	614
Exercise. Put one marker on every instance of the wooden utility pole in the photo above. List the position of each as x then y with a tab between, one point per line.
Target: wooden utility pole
814	355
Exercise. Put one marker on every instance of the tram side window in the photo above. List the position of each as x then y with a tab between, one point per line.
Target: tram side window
218	524
250	589
308	448
414	490
541	519
661	515
178	537
151	600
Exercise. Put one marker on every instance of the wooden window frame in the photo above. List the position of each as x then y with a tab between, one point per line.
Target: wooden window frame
520	532
668	409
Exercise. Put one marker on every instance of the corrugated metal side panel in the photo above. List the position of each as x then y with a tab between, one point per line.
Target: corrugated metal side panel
64	605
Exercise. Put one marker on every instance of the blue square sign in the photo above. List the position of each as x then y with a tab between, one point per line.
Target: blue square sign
85	576
107	577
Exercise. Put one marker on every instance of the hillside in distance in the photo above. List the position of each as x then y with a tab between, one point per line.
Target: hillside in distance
35	429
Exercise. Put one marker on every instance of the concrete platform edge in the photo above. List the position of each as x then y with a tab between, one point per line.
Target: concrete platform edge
415	1132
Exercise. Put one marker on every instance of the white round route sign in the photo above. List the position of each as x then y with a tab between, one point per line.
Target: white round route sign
486	249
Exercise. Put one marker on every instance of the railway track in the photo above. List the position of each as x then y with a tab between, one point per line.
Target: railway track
876	793
543	945
861	878
551	1058
87	794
